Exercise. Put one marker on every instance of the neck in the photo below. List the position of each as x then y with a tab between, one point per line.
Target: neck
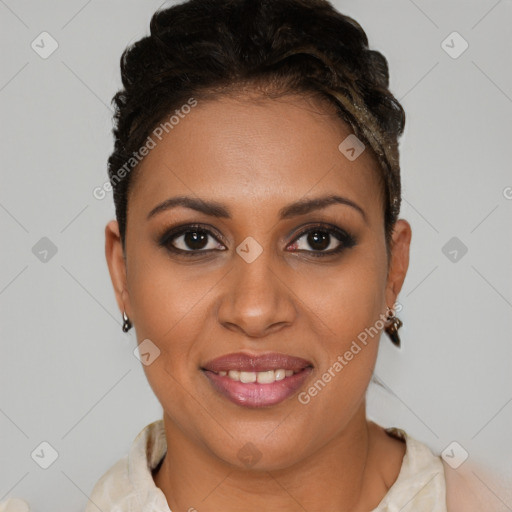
344	474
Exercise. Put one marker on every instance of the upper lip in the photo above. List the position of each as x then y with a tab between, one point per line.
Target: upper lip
256	362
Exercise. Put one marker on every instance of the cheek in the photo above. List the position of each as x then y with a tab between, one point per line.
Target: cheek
167	311
168	308
346	298
163	296
347	311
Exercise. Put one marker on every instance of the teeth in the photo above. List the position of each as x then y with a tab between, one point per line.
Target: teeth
247	377
280	374
265	377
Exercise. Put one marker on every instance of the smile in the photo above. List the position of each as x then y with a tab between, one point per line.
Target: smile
265	377
257	380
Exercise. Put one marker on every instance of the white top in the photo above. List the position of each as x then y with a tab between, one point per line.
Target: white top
128	485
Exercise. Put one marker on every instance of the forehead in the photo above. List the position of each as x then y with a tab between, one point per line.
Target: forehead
255	152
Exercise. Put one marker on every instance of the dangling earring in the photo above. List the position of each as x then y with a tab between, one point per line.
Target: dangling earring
392	328
127	325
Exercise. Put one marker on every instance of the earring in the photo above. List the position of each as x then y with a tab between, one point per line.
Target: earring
127	325
392	328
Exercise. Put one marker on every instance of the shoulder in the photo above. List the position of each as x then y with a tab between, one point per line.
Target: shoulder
469	488
428	483
111	489
473	488
420	485
128	484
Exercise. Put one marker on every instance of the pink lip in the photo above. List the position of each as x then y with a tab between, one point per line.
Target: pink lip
256	363
254	394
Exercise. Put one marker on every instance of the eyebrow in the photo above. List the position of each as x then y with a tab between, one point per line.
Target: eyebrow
215	209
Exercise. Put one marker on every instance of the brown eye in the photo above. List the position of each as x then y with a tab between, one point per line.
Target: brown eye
319	240
194	240
190	239
323	240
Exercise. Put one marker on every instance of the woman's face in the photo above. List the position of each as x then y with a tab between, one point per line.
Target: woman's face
262	271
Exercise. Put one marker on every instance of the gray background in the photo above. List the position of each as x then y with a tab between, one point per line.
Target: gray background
68	375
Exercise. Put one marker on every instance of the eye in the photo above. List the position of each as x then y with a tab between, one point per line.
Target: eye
193	240
324	240
190	239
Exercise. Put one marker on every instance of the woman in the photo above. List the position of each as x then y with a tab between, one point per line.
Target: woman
257	190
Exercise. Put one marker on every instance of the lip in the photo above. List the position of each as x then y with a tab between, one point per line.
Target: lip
255	394
256	362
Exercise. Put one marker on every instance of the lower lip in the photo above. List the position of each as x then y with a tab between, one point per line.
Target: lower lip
254	394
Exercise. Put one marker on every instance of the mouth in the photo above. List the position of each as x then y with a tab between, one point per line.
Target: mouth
257	380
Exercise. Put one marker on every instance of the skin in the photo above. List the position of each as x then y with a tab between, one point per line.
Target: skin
255	155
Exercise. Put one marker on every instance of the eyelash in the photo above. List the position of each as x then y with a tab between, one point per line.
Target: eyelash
346	239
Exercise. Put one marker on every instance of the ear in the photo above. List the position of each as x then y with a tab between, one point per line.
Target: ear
117	265
399	260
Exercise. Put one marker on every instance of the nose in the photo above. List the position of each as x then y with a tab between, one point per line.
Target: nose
256	300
